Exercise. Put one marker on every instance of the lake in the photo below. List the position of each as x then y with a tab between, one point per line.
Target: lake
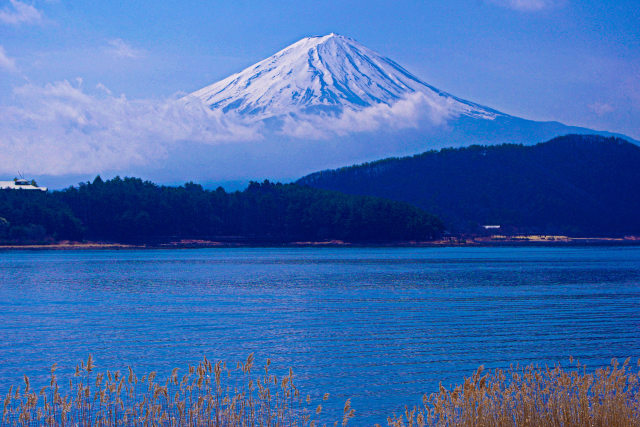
379	325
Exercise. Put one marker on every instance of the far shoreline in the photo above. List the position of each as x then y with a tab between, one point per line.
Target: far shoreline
469	241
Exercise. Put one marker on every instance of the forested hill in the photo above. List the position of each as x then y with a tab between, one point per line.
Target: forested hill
574	185
134	211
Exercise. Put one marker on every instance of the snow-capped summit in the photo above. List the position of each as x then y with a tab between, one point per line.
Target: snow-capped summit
324	74
328	101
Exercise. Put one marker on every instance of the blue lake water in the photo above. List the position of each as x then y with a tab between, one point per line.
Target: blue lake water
379	325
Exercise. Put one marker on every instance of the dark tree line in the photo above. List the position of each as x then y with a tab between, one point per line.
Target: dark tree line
579	185
131	210
35	216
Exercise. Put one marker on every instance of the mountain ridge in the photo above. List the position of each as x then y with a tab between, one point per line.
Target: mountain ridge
333	87
256	124
331	72
579	185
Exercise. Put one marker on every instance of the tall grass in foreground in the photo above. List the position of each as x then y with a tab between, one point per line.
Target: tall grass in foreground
534	396
215	395
207	395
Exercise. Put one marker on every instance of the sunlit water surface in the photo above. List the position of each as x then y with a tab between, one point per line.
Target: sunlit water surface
379	325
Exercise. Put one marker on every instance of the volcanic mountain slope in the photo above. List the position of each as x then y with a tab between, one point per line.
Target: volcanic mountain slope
327	86
324	102
331	74
576	185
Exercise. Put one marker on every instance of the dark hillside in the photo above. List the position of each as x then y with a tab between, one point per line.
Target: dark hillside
577	185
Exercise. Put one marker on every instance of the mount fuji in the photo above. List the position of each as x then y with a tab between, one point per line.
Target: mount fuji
321	103
333	75
328	101
325	75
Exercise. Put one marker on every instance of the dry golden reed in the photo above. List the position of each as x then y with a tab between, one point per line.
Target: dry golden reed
534	396
212	394
209	394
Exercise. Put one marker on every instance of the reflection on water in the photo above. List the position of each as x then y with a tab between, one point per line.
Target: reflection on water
381	326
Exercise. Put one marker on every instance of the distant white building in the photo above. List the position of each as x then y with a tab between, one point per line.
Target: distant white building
491	227
20	184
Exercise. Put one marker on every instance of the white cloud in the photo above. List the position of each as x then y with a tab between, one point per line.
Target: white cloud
121	49
601	108
60	129
63	129
20	13
527	5
7	63
413	111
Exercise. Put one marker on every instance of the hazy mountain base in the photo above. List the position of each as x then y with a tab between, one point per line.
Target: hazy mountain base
279	156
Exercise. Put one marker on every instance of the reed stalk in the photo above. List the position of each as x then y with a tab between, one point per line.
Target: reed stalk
534	396
212	394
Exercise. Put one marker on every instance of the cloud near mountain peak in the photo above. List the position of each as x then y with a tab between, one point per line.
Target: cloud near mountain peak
61	128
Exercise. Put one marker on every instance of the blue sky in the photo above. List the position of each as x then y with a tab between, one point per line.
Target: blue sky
577	62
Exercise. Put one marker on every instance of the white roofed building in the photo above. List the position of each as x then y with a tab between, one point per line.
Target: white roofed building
20	184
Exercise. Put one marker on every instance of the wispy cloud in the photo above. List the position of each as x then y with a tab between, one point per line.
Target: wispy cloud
527	5
7	63
414	111
121	49
601	108
17	13
61	129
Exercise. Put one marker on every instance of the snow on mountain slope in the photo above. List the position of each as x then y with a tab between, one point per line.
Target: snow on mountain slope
331	74
323	102
326	102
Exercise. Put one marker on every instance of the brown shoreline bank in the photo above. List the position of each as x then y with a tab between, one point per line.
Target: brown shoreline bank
462	241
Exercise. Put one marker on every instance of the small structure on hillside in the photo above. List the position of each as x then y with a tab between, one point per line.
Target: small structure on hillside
20	184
